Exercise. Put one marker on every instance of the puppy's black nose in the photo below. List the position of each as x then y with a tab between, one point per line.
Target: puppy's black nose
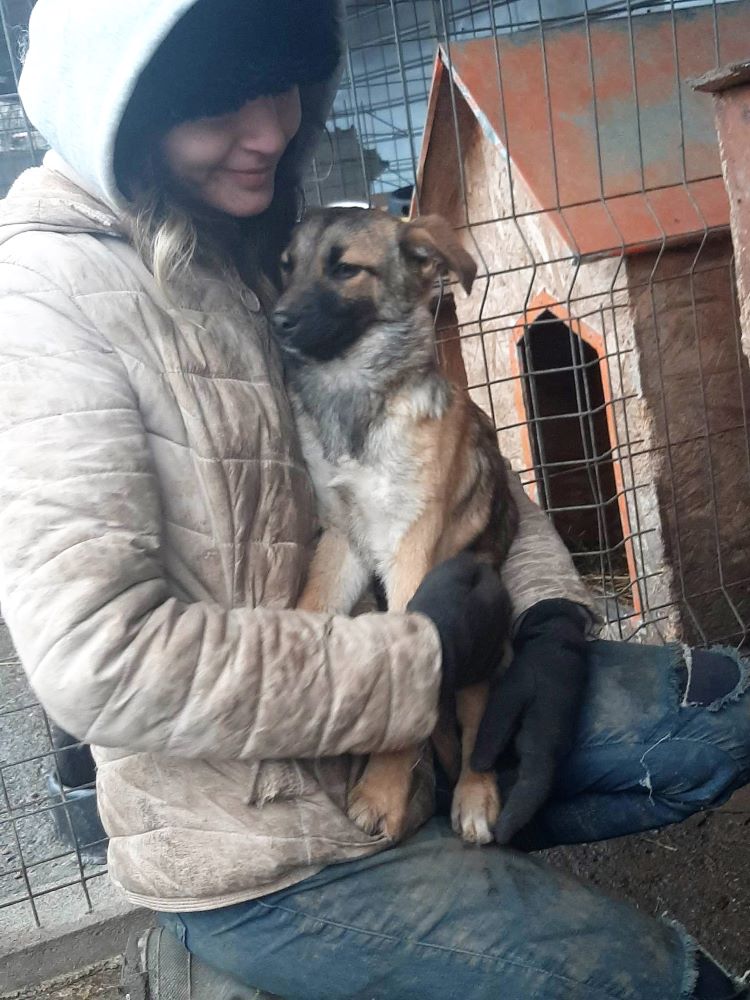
284	322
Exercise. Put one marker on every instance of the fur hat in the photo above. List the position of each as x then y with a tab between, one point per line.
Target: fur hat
223	53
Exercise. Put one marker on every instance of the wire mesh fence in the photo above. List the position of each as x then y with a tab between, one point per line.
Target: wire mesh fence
46	859
563	140
21	146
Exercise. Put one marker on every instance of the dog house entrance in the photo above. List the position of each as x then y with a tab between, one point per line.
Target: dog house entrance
570	440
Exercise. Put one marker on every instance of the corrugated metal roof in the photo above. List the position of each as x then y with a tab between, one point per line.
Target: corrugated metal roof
602	124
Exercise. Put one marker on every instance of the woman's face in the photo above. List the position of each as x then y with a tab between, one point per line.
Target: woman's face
229	163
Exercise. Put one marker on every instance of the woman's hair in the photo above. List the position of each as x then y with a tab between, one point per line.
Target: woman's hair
164	233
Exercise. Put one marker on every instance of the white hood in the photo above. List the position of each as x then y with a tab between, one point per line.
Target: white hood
83	62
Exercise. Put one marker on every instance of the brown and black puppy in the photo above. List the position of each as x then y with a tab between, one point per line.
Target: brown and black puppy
406	468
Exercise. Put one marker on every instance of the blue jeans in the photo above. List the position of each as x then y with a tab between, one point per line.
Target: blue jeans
434	920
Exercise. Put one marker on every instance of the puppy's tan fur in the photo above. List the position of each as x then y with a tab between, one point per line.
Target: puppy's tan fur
406	467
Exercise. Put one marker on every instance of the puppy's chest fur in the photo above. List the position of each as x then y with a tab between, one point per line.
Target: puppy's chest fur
365	463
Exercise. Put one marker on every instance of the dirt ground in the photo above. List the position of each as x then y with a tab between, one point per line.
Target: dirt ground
97	983
697	873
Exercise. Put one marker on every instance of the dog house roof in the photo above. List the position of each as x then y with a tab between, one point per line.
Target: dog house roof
593	118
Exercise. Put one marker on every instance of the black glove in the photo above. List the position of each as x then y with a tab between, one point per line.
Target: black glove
536	701
470	609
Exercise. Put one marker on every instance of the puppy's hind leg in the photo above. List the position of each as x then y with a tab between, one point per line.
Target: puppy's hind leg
337	577
336	581
379	801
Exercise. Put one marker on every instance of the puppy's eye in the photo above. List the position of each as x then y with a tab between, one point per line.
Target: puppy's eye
286	265
342	271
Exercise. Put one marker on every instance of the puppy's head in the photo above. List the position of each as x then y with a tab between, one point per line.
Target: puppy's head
348	270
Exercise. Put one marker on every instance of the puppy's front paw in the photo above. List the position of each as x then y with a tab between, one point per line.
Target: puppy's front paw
378	809
476	807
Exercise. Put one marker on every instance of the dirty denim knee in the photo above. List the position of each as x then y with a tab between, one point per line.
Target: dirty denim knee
664	732
430	918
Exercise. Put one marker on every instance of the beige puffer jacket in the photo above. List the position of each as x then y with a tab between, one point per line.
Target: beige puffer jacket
157	522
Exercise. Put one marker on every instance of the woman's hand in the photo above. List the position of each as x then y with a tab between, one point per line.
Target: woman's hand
535	703
470	609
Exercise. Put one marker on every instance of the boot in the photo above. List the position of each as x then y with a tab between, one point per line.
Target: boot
157	966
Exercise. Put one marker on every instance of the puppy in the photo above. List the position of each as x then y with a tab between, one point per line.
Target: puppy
406	468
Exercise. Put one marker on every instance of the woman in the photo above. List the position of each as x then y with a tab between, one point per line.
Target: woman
157	521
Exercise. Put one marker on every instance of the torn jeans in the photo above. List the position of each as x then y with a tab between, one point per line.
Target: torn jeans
434	920
664	732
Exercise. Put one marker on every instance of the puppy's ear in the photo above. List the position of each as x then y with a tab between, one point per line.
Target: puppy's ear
432	243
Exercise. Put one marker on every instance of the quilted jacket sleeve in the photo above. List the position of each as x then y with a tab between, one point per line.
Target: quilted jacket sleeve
539	567
110	652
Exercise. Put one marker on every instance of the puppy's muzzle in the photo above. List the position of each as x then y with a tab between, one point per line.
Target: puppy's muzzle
285	323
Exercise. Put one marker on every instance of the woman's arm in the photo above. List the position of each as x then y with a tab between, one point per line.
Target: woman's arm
114	657
539	567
